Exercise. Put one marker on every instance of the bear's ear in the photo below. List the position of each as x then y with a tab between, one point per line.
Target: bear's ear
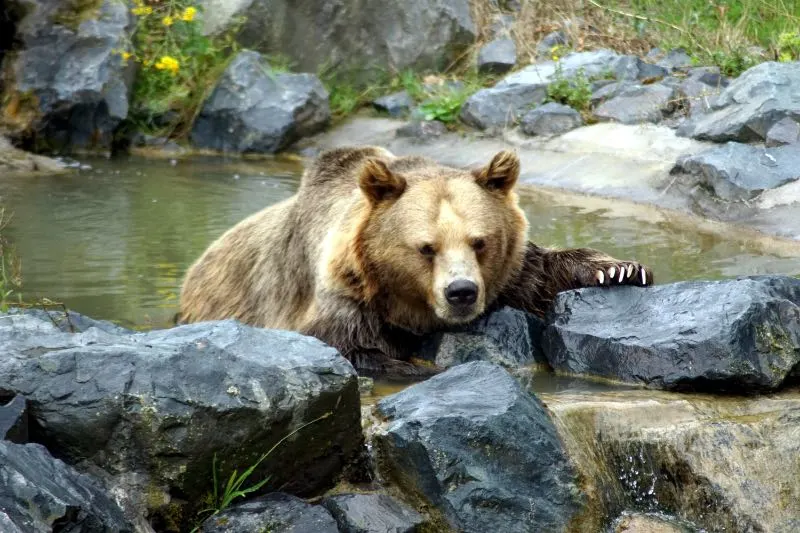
378	183
501	174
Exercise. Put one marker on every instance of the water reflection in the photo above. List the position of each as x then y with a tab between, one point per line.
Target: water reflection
114	241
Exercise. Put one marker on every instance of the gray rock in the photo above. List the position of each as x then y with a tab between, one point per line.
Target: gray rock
738	335
422	130
161	404
636	104
508	337
359	41
72	86
501	25
650	523
255	110
481	450
633	68
674	60
272	513
372	513
40	494
750	105
395	104
14	420
736	171
697	96
551	119
498	56
606	90
785	131
553	39
501	106
596	63
70	321
709	76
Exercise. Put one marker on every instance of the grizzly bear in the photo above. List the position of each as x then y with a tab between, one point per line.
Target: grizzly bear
375	250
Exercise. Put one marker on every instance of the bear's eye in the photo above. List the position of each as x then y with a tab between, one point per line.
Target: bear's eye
478	245
427	250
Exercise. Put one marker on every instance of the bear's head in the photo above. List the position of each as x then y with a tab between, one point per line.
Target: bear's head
435	245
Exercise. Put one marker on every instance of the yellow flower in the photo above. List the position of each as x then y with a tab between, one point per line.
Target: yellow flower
168	63
142	10
167	21
125	56
188	14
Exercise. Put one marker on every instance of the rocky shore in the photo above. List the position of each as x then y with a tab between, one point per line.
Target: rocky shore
689	423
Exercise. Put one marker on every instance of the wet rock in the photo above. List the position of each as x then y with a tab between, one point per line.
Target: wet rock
41	494
549	42
372	513
551	119
273	513
718	464
255	110
480	450
422	130
73	100
161	404
14	420
649	523
395	104
738	171
16	162
735	336
360	42
498	56
785	131
501	106
636	104
508	337
750	105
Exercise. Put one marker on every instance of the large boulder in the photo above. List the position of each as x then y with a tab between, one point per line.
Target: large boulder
157	407
750	105
272	513
373	513
40	494
740	335
472	445
715	464
508	337
253	109
66	87
737	171
354	39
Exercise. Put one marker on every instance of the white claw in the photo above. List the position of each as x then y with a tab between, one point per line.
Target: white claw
644	276
621	274
612	272
600	277
630	270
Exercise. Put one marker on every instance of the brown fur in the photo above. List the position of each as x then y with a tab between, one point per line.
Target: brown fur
360	257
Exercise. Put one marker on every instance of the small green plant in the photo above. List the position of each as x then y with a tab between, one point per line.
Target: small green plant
788	46
575	92
444	107
733	63
223	497
410	82
178	64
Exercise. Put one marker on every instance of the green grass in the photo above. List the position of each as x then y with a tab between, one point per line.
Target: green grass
10	268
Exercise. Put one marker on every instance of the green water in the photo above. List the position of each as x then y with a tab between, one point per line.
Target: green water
113	241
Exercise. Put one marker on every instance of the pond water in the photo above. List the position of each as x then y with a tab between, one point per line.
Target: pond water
114	240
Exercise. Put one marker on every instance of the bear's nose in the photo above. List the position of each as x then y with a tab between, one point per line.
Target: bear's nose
461	292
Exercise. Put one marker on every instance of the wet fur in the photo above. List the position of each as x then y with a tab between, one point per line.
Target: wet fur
309	263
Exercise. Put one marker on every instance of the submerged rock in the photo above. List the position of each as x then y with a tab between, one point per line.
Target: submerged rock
738	335
738	171
16	162
551	119
40	494
750	105
272	513
161	404
716	464
498	56
372	513
66	87
255	110
480	450
508	337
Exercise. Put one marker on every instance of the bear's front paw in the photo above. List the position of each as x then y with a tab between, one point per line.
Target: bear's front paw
621	273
